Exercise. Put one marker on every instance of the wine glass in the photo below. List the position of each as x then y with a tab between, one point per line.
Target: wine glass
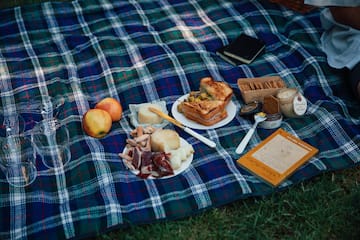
11	124
17	160
51	141
43	107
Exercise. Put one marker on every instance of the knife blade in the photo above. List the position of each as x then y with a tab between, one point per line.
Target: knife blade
186	129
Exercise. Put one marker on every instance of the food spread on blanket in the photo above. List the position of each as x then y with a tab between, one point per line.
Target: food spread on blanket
155	152
207	106
143	56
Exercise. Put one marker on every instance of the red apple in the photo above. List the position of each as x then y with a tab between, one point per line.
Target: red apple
112	106
96	123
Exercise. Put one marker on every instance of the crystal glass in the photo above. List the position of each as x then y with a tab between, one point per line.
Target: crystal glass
11	124
17	160
51	141
55	157
41	108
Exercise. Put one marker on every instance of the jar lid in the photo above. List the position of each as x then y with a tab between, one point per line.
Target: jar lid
272	122
286	95
250	108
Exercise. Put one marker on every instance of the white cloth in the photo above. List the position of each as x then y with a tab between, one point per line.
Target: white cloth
340	43
324	3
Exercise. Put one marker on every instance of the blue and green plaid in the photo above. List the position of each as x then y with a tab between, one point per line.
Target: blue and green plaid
143	50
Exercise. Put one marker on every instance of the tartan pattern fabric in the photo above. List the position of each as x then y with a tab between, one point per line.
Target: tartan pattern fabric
140	51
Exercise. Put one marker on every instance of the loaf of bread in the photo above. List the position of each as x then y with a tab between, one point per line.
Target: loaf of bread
204	112
220	91
164	140
145	116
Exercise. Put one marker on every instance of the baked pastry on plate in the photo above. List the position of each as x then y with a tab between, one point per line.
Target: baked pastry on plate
207	106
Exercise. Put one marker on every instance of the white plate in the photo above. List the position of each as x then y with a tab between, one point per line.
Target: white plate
184	165
230	108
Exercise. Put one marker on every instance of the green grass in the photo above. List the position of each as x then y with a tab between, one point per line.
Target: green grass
326	207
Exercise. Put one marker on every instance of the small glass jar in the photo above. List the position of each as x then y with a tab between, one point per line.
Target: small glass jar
272	121
292	103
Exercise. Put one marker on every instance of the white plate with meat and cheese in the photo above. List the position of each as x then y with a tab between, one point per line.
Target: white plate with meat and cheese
158	165
230	109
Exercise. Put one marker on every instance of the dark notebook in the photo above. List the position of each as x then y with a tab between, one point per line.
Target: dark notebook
244	48
220	53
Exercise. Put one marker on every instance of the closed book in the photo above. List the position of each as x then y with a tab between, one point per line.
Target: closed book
232	61
244	48
277	157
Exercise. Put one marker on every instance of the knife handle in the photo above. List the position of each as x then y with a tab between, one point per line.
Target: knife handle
200	137
241	147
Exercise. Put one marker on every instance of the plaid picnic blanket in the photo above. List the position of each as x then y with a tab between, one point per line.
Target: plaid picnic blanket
139	51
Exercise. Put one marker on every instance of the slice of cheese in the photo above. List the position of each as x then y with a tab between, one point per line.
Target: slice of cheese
145	116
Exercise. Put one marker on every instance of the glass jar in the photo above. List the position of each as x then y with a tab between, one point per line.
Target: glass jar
292	102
